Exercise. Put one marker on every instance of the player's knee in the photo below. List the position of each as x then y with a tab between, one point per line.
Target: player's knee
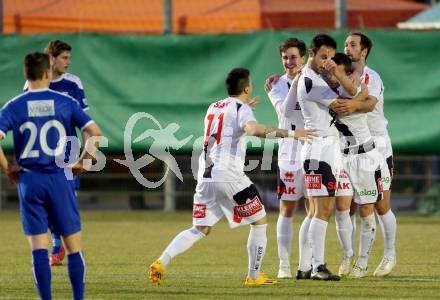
204	229
72	243
343	203
287	208
366	210
261	221
384	205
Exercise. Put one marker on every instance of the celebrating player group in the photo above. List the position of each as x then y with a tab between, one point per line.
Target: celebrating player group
334	152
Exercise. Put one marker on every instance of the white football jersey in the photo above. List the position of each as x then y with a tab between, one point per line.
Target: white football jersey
353	129
376	119
289	117
315	97
224	151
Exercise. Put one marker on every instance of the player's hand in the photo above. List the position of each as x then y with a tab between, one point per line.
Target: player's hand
298	74
78	168
13	173
254	101
305	134
330	66
270	81
344	107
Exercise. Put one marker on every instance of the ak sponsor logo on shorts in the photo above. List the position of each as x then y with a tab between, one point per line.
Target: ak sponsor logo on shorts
338	185
199	211
313	181
282	190
246	210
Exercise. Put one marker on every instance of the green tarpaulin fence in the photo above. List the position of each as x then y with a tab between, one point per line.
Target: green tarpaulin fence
174	78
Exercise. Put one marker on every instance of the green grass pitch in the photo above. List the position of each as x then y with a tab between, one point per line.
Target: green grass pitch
120	245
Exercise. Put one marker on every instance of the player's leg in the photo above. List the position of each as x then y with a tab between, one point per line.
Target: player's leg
34	217
322	160
353	208
284	236
305	249
367	237
58	253
206	213
388	223
290	190
76	265
181	243
386	217
65	220
40	264
241	203
344	230
317	233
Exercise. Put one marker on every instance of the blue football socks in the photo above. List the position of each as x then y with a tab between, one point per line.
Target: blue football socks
41	270
77	271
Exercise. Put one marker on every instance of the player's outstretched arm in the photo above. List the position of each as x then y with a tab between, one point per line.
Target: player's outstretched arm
90	136
260	130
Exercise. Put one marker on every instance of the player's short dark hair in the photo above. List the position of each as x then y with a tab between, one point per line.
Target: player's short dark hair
236	81
55	47
35	64
293	43
342	59
322	39
366	42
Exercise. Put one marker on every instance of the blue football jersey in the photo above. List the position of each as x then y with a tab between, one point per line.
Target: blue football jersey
39	119
71	85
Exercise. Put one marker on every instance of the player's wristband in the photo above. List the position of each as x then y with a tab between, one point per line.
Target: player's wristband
291	133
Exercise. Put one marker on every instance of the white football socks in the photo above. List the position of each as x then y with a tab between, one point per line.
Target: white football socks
256	247
284	238
353	234
344	229
182	242
367	236
388	225
305	249
317	233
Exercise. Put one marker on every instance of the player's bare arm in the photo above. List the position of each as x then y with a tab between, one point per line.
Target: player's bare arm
361	103
91	146
254	102
260	130
11	171
349	84
3	160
